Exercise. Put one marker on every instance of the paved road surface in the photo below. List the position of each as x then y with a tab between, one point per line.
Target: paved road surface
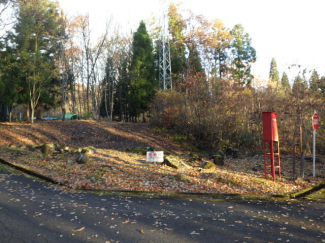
32	211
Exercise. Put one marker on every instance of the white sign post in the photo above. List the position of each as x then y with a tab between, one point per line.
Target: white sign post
155	156
315	126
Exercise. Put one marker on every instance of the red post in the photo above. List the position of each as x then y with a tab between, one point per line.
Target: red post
271	137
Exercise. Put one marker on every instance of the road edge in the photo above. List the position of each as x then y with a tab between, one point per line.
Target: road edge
217	196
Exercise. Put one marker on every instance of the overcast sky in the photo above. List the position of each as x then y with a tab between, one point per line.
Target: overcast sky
291	31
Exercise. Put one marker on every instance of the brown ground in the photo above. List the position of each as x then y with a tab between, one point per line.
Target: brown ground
103	135
113	168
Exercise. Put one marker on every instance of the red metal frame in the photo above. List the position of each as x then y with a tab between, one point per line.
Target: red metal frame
271	148
272	155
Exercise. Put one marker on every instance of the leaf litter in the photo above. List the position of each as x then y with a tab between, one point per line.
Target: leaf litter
115	165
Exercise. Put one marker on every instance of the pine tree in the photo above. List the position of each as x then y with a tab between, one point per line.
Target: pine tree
177	48
143	83
314	81
298	85
274	73
38	32
10	88
285	82
244	54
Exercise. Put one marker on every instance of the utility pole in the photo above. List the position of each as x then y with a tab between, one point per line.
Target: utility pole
165	73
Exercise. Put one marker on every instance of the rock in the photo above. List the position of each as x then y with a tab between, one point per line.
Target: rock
22	147
170	164
39	146
12	146
65	148
257	167
47	149
232	152
88	150
150	148
207	165
82	159
219	152
219	160
181	177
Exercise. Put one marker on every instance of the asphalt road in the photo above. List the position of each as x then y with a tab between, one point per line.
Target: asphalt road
33	211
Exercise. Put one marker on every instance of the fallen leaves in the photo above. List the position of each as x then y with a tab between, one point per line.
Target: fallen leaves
79	229
111	169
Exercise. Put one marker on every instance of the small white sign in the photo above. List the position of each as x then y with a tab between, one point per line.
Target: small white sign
155	156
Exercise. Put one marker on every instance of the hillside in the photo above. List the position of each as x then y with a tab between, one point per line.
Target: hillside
103	135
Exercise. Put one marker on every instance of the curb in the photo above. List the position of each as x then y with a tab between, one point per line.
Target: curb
194	195
32	173
307	191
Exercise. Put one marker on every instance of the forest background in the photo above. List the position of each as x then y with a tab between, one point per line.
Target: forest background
49	61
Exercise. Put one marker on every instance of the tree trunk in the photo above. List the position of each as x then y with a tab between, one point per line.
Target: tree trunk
27	112
144	118
73	97
32	115
10	113
39	115
63	113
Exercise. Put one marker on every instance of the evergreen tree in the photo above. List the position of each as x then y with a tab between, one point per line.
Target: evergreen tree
314	81
274	73
243	55
321	85
38	32
285	82
143	83
10	88
177	26
298	85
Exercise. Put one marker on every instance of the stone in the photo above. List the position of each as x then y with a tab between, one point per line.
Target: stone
12	146
22	147
233	152
65	148
181	177
219	152
88	150
257	167
150	148
219	160
47	149
82	159
207	165
169	163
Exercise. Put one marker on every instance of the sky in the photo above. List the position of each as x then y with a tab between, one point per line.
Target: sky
291	31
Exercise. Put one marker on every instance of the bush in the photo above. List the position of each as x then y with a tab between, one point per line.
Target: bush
87	115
